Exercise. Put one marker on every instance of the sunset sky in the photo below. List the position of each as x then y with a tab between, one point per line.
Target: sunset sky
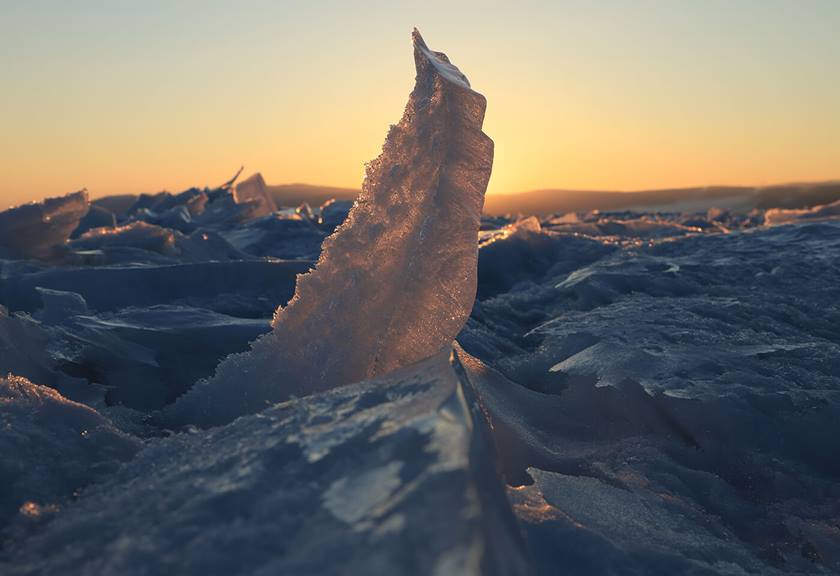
128	97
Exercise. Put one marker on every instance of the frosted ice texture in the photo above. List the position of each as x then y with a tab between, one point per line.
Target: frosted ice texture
51	447
397	280
389	476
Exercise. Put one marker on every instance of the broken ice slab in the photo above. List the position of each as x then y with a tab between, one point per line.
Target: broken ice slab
50	448
253	191
26	349
823	213
38	230
334	212
59	306
240	288
147	357
397	279
197	207
119	204
194	200
225	211
138	235
97	217
388	476
524	253
602	528
141	242
278	235
178	218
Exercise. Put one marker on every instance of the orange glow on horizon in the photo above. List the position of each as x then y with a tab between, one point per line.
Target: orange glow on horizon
126	100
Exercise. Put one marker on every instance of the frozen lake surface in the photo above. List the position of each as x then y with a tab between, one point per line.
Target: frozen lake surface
633	393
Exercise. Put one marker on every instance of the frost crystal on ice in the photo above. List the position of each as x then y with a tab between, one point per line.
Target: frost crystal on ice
51	447
397	280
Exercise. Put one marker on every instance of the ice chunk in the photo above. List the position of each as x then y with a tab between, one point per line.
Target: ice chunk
119	205
694	392
658	480
138	235
253	190
149	356
240	288
822	213
38	230
60	305
26	350
599	528
97	217
389	476
305	211
177	217
51	447
225	210
334	212
278	235
522	252
141	242
629	227
194	200
397	280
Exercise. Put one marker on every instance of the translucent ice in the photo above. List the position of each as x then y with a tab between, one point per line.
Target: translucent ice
397	280
253	190
27	349
97	217
149	243
37	230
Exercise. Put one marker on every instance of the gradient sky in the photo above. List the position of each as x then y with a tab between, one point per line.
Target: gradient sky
140	96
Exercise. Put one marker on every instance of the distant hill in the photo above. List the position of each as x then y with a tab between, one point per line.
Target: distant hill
295	194
700	199
118	204
798	195
739	199
735	198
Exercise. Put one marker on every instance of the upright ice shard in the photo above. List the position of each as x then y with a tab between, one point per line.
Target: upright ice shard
397	280
254	190
38	230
